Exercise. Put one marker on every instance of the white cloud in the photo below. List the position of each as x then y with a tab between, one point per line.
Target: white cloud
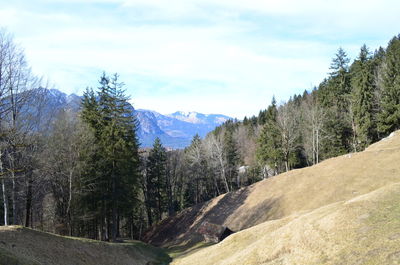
228	56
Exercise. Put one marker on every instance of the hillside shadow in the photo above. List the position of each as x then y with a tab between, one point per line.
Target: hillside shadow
171	230
181	229
245	217
267	210
226	206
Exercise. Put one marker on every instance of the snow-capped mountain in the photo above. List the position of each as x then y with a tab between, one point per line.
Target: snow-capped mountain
175	130
199	118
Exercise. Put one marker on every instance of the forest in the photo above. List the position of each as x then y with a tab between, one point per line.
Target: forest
83	173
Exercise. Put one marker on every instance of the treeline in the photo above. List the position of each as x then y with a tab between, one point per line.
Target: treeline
356	105
82	173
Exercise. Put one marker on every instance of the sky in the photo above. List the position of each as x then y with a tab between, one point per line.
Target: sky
227	56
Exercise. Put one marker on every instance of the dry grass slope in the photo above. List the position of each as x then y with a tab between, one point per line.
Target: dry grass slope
290	194
363	230
22	246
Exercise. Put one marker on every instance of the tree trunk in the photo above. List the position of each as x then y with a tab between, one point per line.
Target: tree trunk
3	187
171	209
265	172
224	177
69	202
12	164
317	147
5	202
114	206
159	205
114	203
145	188
353	126
28	200
216	185
287	154
103	222
313	145
13	198
149	217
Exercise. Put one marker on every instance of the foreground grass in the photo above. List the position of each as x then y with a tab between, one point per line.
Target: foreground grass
25	246
186	249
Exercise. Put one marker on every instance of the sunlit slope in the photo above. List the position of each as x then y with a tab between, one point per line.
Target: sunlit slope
363	230
22	246
295	192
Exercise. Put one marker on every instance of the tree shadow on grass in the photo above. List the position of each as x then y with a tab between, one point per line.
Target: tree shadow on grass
181	229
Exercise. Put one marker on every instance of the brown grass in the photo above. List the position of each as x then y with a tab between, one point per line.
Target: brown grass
26	246
363	230
289	194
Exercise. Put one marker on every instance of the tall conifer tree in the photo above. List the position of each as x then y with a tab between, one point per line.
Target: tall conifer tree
157	179
334	94
232	157
389	117
269	151
113	171
363	99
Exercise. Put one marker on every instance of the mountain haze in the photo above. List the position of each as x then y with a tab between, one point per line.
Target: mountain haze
175	130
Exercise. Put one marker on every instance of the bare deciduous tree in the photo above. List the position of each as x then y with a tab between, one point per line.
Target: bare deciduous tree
16	87
288	124
314	116
215	154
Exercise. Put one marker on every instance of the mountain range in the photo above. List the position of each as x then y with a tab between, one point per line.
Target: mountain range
175	130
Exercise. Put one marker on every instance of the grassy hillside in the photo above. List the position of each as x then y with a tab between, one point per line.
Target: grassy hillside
22	246
363	230
290	194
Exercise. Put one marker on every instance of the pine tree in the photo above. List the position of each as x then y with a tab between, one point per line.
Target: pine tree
335	95
113	169
389	116
232	157
363	99
269	151
340	80
156	179
197	162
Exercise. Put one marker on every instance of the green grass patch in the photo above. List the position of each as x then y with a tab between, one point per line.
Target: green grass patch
7	258
24	246
186	249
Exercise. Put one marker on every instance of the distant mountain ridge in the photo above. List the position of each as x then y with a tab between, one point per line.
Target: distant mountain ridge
175	130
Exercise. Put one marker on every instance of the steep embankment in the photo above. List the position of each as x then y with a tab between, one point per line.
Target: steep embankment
22	246
363	230
290	194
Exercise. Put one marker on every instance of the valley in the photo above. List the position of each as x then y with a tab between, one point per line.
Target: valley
199	132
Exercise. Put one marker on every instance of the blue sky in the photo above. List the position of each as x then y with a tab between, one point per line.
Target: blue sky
225	56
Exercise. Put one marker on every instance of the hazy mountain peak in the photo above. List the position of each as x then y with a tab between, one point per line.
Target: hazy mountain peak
56	92
175	130
199	118
188	116
183	113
